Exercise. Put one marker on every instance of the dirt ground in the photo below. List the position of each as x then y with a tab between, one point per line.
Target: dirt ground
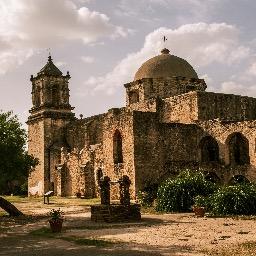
165	234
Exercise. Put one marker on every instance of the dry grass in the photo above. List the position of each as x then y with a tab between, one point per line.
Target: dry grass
244	249
58	201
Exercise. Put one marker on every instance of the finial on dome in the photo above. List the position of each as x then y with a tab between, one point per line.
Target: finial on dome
165	51
49	58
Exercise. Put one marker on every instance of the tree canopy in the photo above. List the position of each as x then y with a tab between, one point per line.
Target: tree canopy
15	163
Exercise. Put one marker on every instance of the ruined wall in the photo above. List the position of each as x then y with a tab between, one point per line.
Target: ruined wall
180	109
36	149
145	106
84	132
80	168
148	88
221	131
121	120
148	155
225	106
160	150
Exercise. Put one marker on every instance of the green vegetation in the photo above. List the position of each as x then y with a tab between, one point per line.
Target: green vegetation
177	195
148	195
191	188
47	233
15	163
87	241
239	199
54	200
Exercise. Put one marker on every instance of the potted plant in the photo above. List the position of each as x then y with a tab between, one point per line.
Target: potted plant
56	220
199	206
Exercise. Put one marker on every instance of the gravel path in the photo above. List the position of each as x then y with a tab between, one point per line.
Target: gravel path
168	234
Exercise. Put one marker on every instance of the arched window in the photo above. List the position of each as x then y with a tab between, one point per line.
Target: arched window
55	95
238	179
133	97
238	149
117	148
209	150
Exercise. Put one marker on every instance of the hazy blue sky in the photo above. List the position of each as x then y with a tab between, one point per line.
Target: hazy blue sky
103	42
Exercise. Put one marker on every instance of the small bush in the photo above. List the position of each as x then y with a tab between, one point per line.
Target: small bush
239	199
201	201
147	196
177	195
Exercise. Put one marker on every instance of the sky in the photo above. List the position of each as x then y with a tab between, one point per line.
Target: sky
103	42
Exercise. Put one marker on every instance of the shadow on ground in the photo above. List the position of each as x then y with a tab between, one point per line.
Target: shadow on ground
17	239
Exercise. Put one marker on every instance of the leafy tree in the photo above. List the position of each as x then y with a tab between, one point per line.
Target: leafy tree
15	163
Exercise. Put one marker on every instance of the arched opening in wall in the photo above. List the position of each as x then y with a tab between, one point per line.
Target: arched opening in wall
238	179
209	150
117	148
238	149
133	97
99	175
213	177
37	96
55	95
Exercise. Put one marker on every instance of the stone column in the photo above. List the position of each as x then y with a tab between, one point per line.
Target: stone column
124	190
105	190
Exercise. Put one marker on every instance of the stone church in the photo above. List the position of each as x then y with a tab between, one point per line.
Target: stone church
169	123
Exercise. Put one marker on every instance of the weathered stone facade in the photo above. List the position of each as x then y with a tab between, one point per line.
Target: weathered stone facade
169	123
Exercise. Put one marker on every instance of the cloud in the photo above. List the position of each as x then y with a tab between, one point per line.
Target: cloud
201	44
30	24
60	63
252	69
87	59
182	10
238	88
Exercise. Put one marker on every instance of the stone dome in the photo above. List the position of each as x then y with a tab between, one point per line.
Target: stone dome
165	65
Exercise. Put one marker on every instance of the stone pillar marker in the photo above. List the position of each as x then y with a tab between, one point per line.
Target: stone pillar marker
124	187
105	190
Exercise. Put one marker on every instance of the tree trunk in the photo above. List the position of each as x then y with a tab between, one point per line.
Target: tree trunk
10	208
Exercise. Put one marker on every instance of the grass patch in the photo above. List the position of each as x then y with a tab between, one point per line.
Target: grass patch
44	232
54	200
87	241
245	249
3	214
47	233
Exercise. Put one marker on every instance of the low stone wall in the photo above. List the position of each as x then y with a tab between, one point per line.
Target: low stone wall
115	213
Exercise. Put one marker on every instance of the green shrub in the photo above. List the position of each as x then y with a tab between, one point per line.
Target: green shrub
177	195
147	196
201	201
239	199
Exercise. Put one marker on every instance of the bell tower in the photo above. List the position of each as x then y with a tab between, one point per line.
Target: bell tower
49	115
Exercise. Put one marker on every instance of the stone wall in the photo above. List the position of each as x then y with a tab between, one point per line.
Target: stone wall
227	107
148	155
85	132
46	137
36	149
180	109
148	88
221	131
119	120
